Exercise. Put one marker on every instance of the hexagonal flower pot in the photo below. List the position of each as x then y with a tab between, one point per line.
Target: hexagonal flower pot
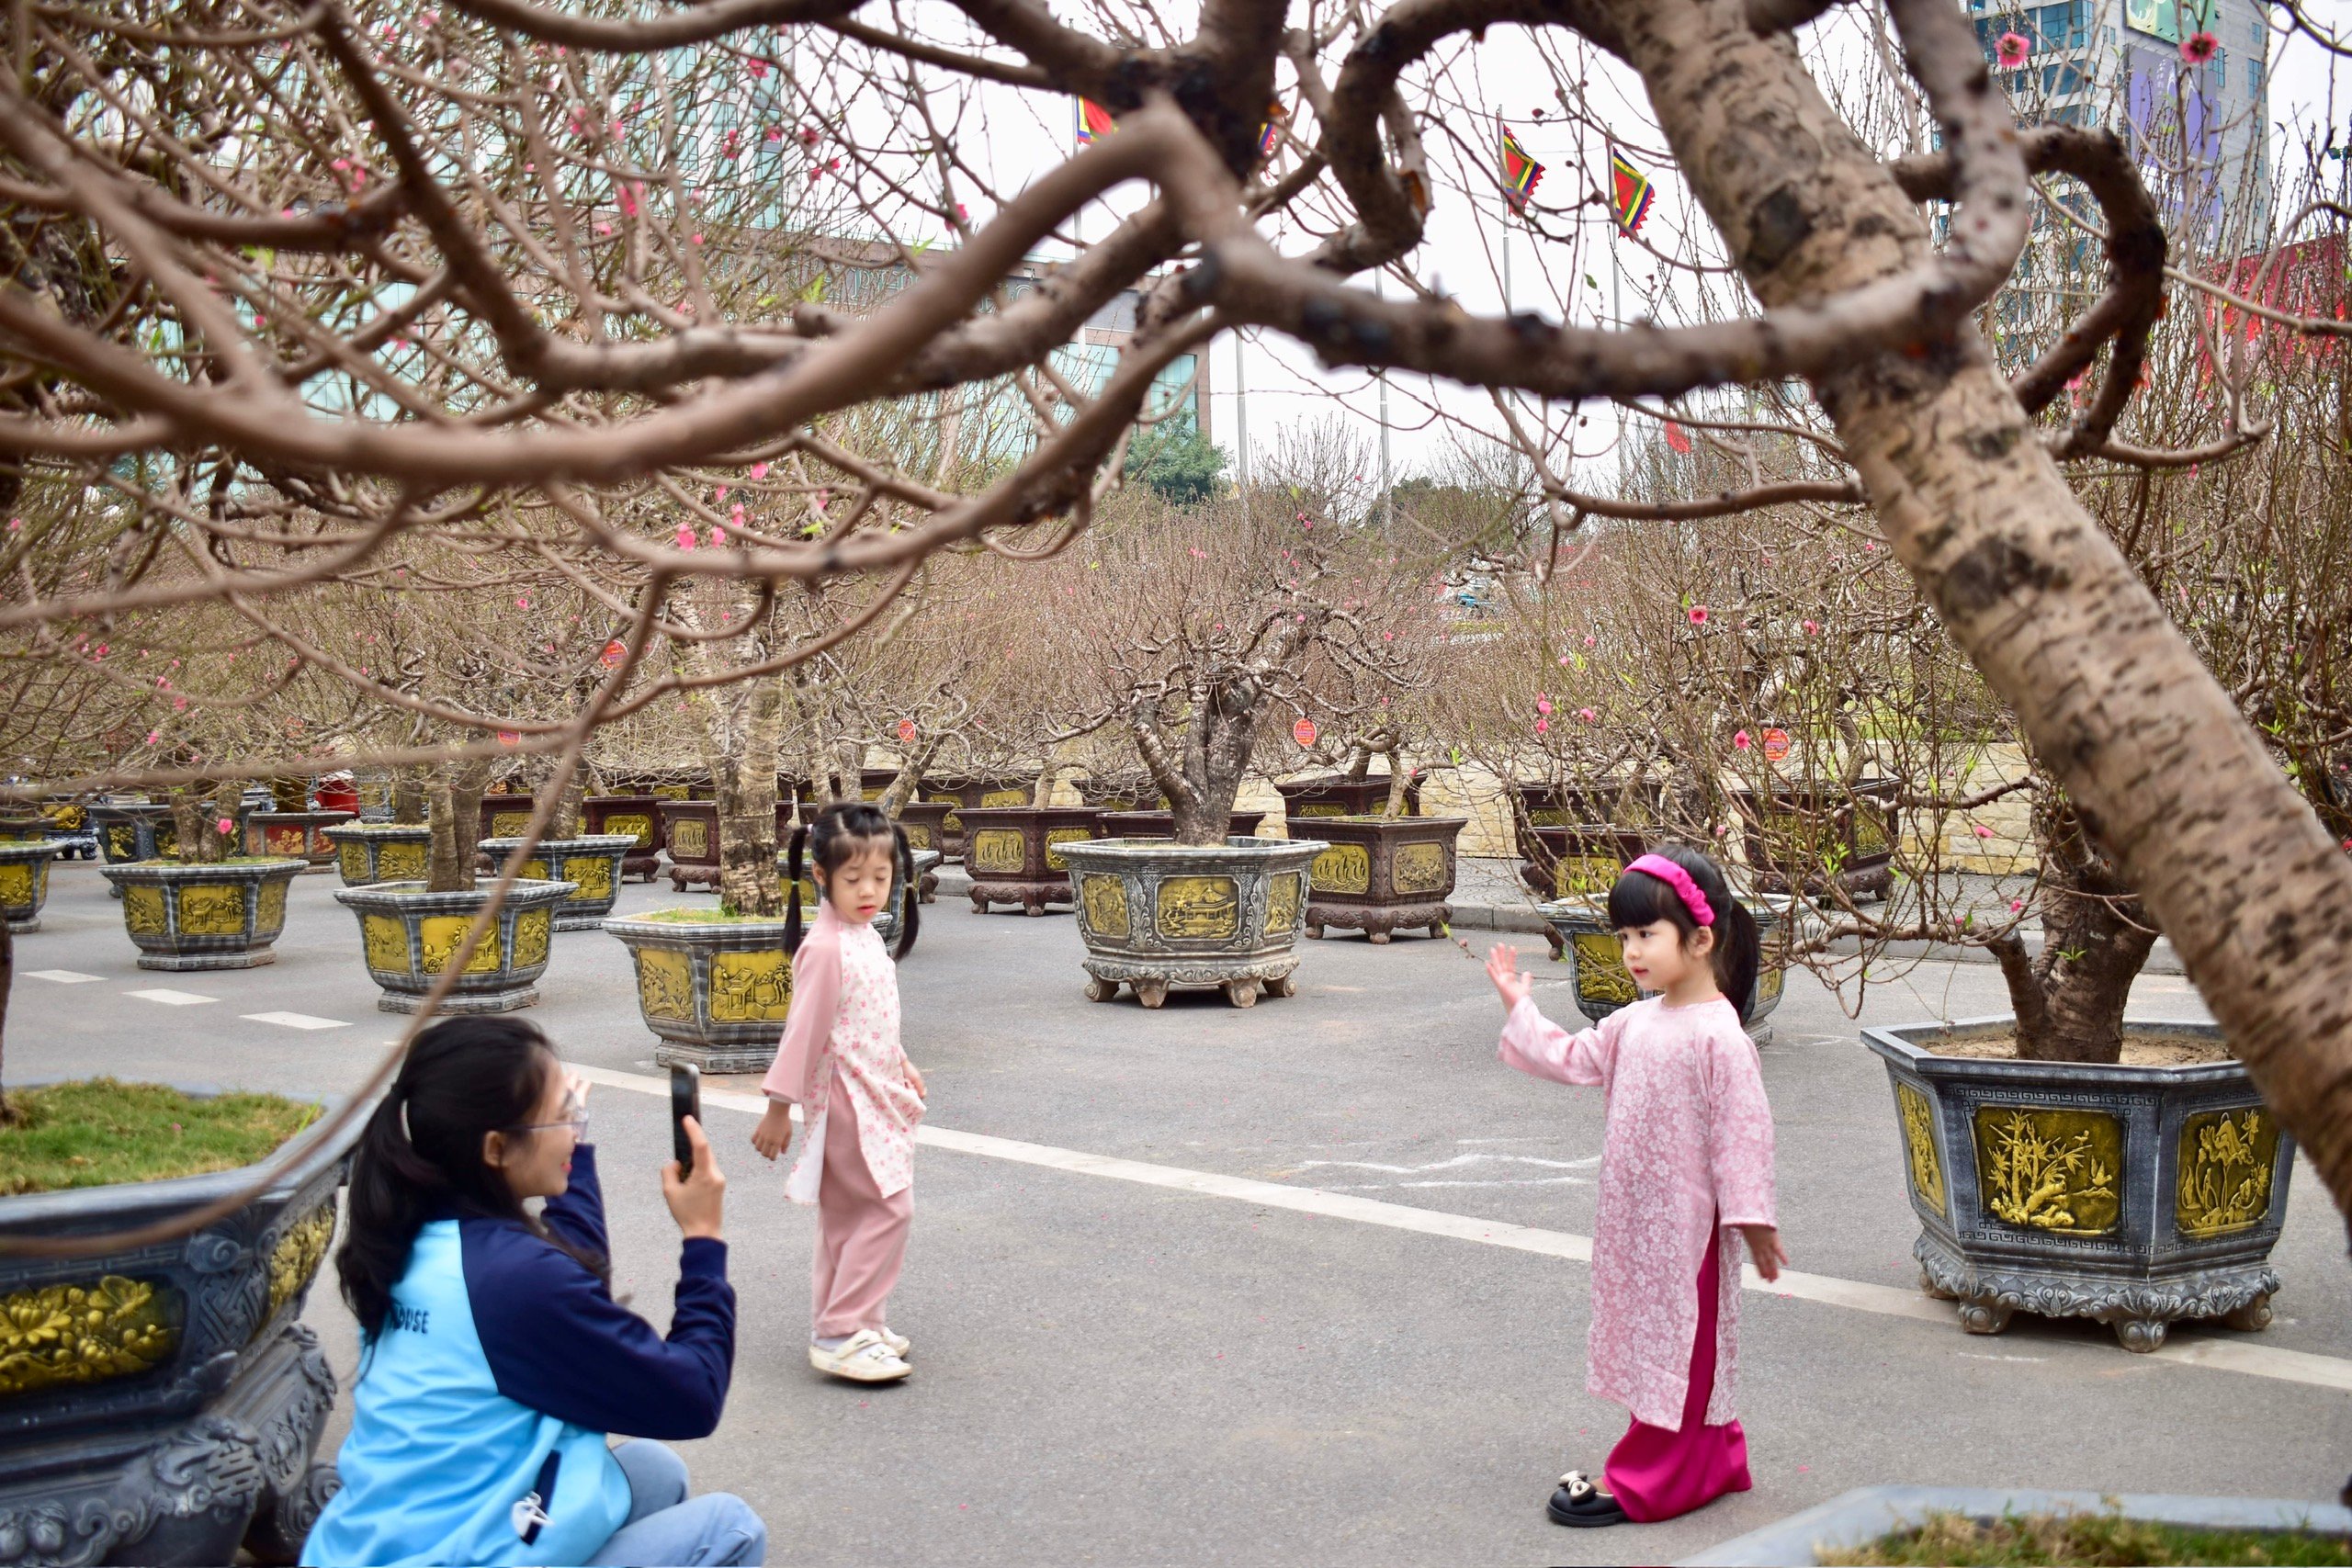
408	936
690	829
592	865
300	833
1158	914
133	831
1810	841
925	822
164	1402
24	880
1380	873
1336	794
715	990
204	916
2134	1195
370	852
1596	959
1162	825
506	815
958	794
1576	861
1014	853
638	816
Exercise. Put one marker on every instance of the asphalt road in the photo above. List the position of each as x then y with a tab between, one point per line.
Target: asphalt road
1114	1370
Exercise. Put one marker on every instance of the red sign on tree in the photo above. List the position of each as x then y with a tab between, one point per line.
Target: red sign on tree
1303	732
906	732
614	651
1776	745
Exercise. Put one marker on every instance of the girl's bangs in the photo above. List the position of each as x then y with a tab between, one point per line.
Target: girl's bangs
1640	899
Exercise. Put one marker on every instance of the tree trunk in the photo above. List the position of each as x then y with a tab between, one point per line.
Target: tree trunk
1041	795
457	826
2151	751
2096	939
749	884
8	984
408	795
1400	777
565	824
1218	745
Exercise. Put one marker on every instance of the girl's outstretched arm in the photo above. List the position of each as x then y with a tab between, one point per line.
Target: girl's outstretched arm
1533	1044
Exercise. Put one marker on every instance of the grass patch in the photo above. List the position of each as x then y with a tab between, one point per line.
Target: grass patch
711	916
2095	1540
231	860
100	1132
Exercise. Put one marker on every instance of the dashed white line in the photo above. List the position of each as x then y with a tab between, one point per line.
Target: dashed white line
62	976
171	999
1886	1300
295	1021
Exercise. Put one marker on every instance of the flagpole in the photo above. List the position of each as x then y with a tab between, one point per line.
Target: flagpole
1241	414
1387	483
1617	313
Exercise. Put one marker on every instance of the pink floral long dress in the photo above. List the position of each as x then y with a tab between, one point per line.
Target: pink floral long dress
1687	1154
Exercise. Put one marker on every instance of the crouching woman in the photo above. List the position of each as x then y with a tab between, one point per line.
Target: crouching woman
494	1359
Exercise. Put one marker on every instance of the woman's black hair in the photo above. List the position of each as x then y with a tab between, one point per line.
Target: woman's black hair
420	1156
1641	899
828	840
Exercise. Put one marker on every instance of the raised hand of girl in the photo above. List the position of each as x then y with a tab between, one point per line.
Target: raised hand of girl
1502	968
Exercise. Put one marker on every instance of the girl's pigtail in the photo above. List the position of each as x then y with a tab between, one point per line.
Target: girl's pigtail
908	920
792	890
1738	955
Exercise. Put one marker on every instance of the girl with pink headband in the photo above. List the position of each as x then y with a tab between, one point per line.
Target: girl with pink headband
1686	1172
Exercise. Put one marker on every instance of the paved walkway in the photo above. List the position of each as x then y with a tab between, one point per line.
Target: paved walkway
1276	1285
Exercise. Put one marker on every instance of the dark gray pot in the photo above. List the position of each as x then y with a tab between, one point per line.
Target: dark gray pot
133	832
370	852
182	1422
715	993
1597	959
591	864
185	916
408	934
2167	1209
24	880
303	833
1157	915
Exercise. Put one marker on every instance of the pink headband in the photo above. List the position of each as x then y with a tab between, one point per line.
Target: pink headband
1674	876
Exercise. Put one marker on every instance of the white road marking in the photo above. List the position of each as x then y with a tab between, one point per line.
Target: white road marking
294	1020
62	976
1455	1163
171	999
2231	1354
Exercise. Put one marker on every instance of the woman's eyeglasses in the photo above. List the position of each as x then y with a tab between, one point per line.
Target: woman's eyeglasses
575	1116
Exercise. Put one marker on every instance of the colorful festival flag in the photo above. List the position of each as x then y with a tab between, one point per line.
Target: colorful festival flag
1520	174
1630	195
1269	135
1093	120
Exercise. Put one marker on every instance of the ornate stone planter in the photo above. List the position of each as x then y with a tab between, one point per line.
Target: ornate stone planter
1576	861
1335	795
1582	933
408	935
638	816
958	794
1380	873
2134	1195
592	867
1805	840
370	852
302	833
204	916
1158	915
130	833
506	815
926	824
176	1417
715	991
70	828
24	880
1015	853
1162	825
690	829
23	825
1632	804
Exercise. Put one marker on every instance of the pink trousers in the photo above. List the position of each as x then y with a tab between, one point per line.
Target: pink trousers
861	1235
1656	1474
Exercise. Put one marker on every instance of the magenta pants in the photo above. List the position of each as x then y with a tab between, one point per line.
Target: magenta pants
861	1235
1656	1474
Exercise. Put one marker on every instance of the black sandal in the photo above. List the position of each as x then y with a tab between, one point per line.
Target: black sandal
1579	1502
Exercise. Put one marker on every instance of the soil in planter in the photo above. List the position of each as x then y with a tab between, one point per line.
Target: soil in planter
2095	1540
100	1132
702	917
2139	1050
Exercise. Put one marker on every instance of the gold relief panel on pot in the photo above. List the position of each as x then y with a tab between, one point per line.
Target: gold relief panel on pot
1103	902
17	885
2227	1161
269	908
212	908
1004	797
593	873
439	936
1585	877
1055	836
143	910
386	941
996	849
1200	907
1919	1147
1419	868
122	840
531	928
1321	808
2049	1169
1601	974
636	822
352	861
62	1336
508	824
1343	868
284	842
1547	817
690	839
534	870
400	862
1282	902
666	983
751	988
918	835
301	1246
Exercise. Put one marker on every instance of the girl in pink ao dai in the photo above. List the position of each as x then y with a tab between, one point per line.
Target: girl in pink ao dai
1686	1171
860	1099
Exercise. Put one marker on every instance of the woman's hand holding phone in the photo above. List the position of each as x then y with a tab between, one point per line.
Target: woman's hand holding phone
696	1202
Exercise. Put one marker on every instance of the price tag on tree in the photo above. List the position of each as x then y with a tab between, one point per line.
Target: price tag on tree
906	732
1304	732
1776	745
614	652
509	738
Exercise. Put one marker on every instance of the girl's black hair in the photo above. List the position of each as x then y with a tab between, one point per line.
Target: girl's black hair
1641	899
829	838
420	1156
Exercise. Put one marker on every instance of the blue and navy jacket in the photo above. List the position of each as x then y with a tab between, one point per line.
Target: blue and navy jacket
479	1421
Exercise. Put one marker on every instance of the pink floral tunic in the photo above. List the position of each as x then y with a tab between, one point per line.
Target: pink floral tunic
845	1016
1688	1149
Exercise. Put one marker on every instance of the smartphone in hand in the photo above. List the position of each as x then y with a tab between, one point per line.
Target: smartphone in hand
685	1099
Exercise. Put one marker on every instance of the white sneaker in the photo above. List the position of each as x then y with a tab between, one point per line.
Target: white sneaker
864	1356
899	1343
